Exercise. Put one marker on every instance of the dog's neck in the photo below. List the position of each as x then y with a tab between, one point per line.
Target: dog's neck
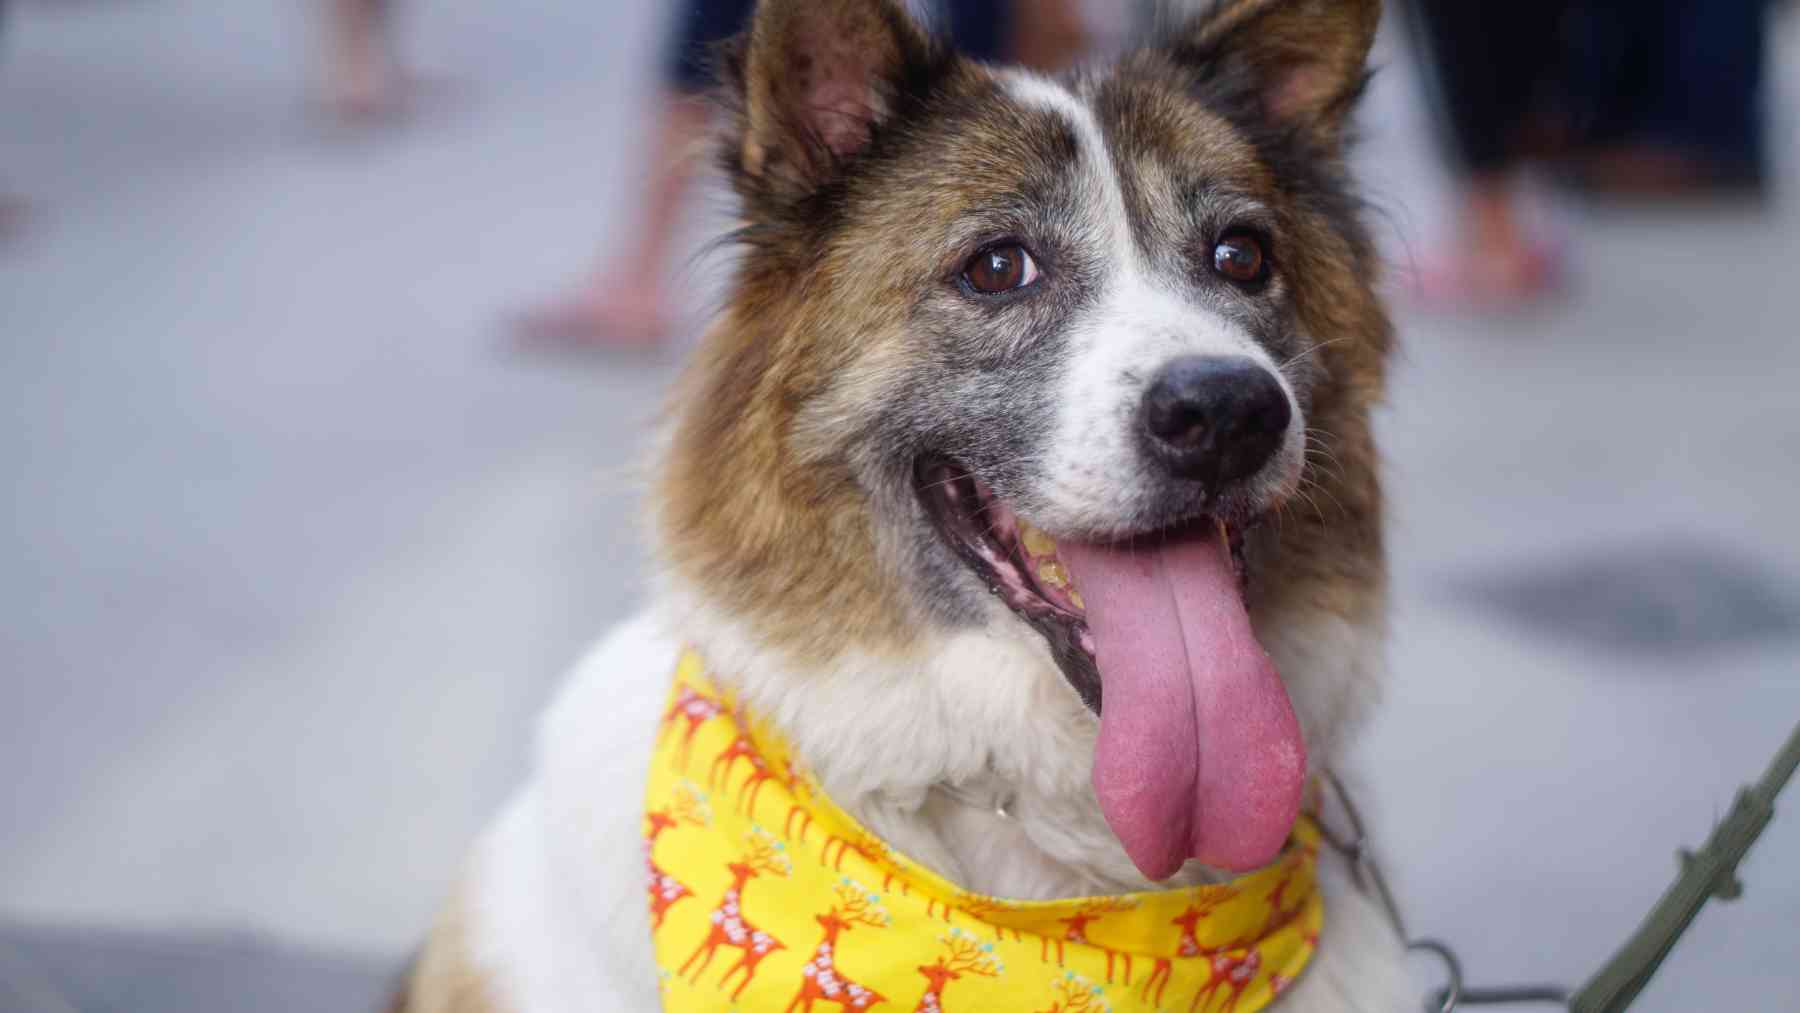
969	753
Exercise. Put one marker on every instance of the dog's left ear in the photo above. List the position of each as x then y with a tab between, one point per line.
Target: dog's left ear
1299	64
815	79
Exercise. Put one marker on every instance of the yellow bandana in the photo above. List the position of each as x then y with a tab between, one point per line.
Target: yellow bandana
765	896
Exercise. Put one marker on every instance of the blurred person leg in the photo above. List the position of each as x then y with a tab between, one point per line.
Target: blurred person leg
1489	64
1690	98
363	79
623	303
1719	56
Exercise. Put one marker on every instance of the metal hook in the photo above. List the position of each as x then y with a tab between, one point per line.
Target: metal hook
1445	999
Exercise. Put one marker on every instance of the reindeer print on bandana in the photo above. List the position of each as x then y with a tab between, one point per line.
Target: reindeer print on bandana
823	917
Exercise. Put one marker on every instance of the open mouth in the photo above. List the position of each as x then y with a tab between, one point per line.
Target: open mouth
1199	753
1021	563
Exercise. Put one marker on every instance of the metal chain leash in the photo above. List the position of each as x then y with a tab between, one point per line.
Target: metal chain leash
1367	875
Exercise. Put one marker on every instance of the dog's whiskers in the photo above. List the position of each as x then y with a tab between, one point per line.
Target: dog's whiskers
1320	435
1309	350
1313	485
1328	466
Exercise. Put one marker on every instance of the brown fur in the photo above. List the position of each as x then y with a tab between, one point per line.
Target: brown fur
761	510
798	553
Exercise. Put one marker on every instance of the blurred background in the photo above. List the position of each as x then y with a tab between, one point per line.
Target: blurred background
324	413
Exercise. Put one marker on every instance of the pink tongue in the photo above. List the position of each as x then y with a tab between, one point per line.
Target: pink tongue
1199	753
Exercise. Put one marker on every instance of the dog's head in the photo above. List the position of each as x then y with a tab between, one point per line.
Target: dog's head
1087	357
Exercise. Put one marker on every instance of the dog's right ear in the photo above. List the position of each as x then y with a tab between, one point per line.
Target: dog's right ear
815	80
1299	64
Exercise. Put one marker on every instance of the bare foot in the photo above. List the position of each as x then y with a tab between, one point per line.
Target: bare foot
367	88
1497	264
601	315
365	98
1489	280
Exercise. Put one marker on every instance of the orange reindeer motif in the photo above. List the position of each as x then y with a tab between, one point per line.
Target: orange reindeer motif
1075	994
800	787
935	908
1188	947
730	926
872	849
1279	913
741	748
1075	931
821	978
967	955
982	908
694	707
1232	971
665	890
760	774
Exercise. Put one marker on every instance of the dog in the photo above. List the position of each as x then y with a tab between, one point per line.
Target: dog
1026	484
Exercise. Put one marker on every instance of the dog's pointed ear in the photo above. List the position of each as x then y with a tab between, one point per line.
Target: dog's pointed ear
1302	63
815	79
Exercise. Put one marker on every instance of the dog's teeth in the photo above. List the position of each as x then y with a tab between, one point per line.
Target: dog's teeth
1036	542
1040	549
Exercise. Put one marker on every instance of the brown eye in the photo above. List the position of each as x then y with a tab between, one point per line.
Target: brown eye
1239	257
1000	269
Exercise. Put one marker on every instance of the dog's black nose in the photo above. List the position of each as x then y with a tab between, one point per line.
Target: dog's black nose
1215	419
